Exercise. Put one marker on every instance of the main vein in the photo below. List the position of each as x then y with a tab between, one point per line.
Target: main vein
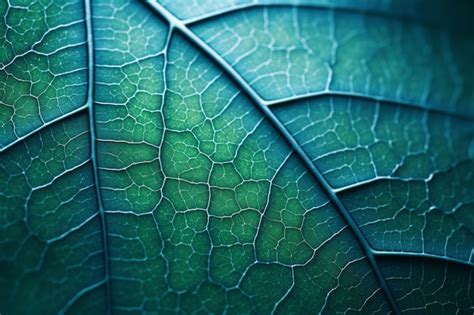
260	103
93	146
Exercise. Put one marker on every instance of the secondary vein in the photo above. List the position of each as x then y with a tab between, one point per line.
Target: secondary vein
261	104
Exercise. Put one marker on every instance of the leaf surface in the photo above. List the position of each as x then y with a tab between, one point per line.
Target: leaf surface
234	158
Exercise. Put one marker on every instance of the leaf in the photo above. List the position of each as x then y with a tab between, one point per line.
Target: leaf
212	157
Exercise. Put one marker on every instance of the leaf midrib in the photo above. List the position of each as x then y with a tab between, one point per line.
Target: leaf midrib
93	146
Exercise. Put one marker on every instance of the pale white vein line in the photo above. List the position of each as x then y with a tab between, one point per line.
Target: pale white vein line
399	103
424	255
79	294
43	126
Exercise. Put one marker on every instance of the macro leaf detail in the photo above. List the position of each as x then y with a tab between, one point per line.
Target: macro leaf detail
235	157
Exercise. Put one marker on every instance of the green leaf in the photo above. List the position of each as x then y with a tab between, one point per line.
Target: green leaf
236	157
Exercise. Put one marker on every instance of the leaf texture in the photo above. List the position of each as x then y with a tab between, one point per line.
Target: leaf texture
235	157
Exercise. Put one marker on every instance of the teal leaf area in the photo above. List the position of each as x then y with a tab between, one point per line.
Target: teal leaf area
236	157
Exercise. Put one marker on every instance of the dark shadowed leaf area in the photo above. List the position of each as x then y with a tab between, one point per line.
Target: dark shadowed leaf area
236	156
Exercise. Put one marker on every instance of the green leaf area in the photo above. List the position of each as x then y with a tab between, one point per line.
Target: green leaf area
236	157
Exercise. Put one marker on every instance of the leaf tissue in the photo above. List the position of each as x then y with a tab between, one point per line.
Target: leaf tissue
236	156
